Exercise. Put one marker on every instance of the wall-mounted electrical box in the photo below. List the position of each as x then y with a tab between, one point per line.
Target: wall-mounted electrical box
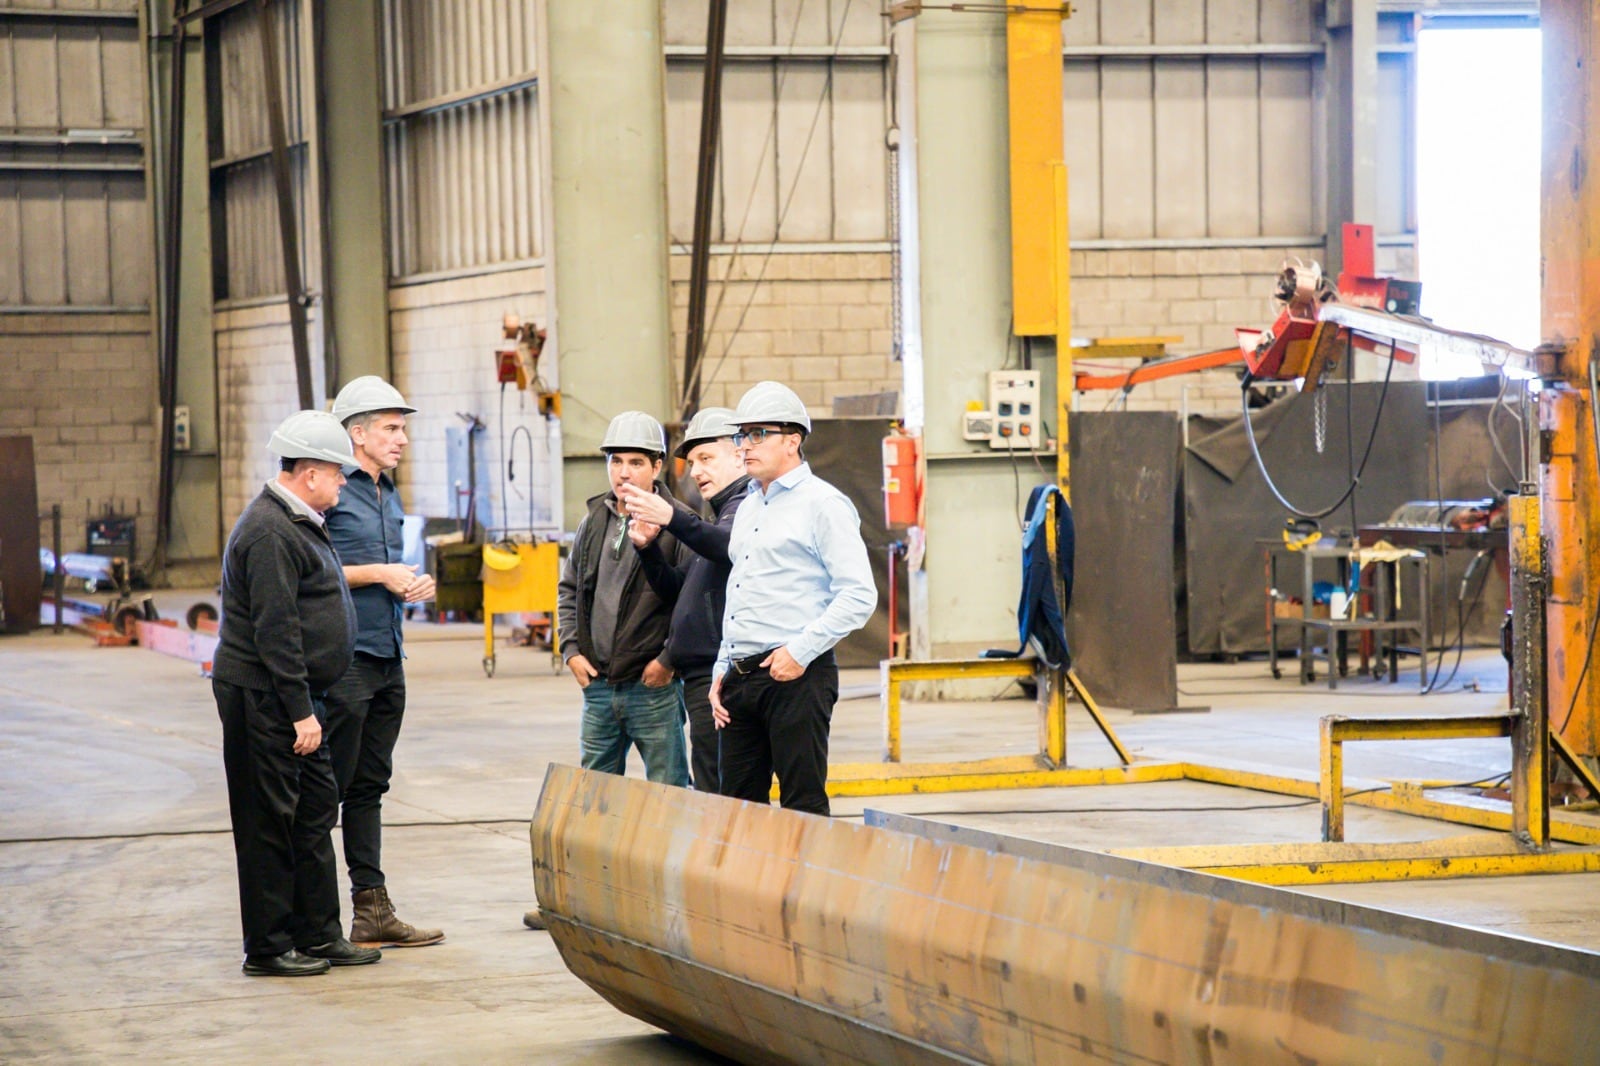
976	423
1014	405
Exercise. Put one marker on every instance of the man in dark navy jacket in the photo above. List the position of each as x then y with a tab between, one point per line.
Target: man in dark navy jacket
366	706
699	589
287	634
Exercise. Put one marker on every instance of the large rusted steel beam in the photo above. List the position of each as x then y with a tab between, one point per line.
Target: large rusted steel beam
771	936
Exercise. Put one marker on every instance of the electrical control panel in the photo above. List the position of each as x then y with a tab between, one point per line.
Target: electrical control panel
1014	406
976	423
181	426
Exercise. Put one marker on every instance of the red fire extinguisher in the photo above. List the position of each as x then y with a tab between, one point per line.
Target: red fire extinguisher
902	480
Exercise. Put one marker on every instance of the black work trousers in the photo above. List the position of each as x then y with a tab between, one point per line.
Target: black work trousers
779	726
283	807
363	713
702	732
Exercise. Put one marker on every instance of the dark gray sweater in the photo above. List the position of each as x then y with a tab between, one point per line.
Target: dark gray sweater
288	624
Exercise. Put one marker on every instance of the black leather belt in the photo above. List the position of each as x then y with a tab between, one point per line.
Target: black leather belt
750	663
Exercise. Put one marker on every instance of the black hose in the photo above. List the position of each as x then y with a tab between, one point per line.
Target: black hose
1250	435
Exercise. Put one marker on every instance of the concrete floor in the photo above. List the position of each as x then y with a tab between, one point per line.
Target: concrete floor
119	934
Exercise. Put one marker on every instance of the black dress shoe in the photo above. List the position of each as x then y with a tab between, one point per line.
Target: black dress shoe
343	953
289	964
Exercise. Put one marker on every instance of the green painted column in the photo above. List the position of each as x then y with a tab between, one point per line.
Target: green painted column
604	86
974	546
196	535
356	306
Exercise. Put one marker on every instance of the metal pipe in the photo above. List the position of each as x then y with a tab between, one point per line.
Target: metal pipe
821	941
331	371
293	287
1136	244
705	176
172	241
453	101
58	578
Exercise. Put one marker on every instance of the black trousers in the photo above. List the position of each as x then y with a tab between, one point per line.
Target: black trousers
703	731
782	727
283	807
363	713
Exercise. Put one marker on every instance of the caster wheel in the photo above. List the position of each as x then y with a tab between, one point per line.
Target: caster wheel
488	665
200	612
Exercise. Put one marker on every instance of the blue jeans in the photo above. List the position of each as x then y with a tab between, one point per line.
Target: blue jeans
615	716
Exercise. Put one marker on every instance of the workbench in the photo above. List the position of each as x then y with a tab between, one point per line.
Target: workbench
1375	610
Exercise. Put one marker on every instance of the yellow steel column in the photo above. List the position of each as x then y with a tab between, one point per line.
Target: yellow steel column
1040	280
1530	739
1331	781
1033	84
891	714
1570	489
1064	375
1053	730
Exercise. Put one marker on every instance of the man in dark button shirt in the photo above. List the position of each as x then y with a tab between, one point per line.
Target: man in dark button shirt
367	704
698	589
287	631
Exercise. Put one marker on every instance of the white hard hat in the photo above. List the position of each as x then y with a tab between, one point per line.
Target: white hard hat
770	401
312	435
367	394
708	423
634	431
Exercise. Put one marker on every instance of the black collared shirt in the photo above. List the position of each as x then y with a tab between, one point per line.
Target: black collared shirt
365	529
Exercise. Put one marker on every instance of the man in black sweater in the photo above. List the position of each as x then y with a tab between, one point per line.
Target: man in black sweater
287	634
699	589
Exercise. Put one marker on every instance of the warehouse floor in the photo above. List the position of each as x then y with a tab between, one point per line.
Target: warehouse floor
119	936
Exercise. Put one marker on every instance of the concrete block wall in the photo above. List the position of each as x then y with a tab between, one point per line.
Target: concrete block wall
1200	295
83	386
256	390
443	335
821	322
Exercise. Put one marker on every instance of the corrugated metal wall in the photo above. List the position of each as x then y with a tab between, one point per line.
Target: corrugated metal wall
250	263
1193	119
74	227
461	134
804	114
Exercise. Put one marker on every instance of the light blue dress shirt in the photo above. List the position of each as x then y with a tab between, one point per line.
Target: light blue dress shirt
800	576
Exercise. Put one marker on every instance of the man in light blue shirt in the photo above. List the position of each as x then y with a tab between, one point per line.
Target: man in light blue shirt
800	584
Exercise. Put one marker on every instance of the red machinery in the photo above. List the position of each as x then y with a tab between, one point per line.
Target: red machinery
1299	343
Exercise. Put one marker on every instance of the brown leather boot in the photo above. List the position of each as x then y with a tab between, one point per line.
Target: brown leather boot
375	924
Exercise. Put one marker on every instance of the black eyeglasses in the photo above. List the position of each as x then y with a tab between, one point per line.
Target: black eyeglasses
756	434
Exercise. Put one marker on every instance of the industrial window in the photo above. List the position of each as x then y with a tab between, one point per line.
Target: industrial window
461	134
247	255
803	154
74	225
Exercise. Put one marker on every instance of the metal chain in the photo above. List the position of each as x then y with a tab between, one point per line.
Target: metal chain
1319	419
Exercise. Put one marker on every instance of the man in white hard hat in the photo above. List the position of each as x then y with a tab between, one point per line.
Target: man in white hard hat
614	625
287	633
800	583
366	705
698	590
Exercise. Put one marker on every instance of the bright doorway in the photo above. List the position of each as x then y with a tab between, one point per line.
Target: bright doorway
1478	159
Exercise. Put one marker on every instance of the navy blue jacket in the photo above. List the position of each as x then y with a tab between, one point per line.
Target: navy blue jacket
699	590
